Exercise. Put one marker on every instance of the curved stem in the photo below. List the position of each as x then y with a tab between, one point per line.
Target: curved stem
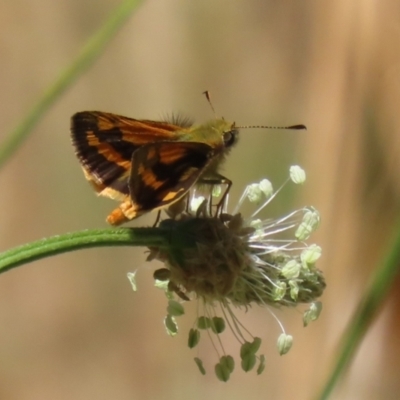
89	53
80	240
364	315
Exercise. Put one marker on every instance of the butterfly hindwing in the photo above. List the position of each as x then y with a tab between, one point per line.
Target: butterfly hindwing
163	172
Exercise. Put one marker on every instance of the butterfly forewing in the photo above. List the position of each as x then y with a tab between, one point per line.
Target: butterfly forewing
105	143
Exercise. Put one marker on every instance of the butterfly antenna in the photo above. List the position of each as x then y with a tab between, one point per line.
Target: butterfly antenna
207	94
295	127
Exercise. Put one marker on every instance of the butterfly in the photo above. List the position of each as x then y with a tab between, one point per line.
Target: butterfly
149	165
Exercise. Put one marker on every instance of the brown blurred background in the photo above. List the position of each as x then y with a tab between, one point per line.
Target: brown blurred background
70	326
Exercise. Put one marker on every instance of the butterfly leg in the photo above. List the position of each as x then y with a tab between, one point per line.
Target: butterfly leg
157	218
222	204
218	179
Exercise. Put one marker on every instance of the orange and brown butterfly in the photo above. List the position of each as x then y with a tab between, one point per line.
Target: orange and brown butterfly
148	165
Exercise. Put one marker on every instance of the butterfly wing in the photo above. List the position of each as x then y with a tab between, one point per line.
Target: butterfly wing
162	173
105	143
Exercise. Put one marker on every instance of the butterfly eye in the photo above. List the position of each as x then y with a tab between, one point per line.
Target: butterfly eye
230	137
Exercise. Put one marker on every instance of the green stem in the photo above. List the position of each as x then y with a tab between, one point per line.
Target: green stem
80	240
89	53
364	315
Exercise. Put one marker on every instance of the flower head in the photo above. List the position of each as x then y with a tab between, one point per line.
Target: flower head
226	261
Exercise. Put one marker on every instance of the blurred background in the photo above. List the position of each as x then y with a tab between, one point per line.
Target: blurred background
70	326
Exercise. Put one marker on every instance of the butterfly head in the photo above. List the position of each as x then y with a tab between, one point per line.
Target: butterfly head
218	134
230	135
